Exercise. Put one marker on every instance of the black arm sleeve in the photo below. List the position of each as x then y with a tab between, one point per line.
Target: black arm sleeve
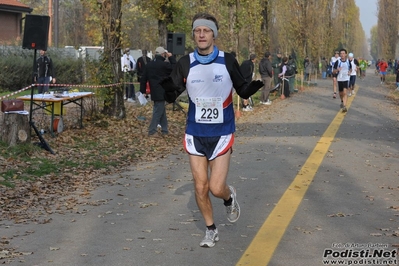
175	84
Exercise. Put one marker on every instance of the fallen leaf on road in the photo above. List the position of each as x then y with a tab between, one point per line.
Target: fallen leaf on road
26	253
340	214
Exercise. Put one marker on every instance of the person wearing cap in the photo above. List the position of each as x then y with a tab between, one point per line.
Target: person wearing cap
247	70
128	67
141	63
154	72
352	78
334	76
209	76
44	72
277	63
266	74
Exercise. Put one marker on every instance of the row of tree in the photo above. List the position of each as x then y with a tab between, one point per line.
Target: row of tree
384	35
313	28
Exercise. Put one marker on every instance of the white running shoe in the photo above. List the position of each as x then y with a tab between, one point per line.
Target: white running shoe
233	211
268	102
247	108
211	237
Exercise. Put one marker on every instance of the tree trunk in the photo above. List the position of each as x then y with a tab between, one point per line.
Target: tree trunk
265	25
163	23
111	11
15	129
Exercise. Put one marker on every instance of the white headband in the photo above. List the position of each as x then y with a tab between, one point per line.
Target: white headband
207	23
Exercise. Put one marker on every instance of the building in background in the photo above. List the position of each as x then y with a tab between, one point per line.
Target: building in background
11	13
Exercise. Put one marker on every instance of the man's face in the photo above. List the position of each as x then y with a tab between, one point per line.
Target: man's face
342	54
203	38
336	54
42	52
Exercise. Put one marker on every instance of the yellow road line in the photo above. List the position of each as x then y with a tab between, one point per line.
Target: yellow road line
262	247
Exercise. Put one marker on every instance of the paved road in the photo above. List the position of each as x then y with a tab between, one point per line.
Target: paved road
149	216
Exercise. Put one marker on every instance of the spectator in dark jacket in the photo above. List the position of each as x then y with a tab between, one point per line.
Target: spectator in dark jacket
276	64
141	63
247	70
291	79
266	72
397	74
44	70
154	72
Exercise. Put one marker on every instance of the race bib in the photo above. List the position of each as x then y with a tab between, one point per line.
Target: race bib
209	110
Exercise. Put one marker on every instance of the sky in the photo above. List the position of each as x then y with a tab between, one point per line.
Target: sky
368	14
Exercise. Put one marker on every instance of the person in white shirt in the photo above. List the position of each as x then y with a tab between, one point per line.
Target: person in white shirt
128	65
334	77
342	68
352	79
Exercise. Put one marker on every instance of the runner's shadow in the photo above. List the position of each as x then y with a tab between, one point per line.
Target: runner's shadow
195	214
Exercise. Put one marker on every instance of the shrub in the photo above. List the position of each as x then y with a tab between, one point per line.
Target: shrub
17	65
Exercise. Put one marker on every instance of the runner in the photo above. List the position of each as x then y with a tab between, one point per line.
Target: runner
334	76
342	68
382	65
352	79
209	75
